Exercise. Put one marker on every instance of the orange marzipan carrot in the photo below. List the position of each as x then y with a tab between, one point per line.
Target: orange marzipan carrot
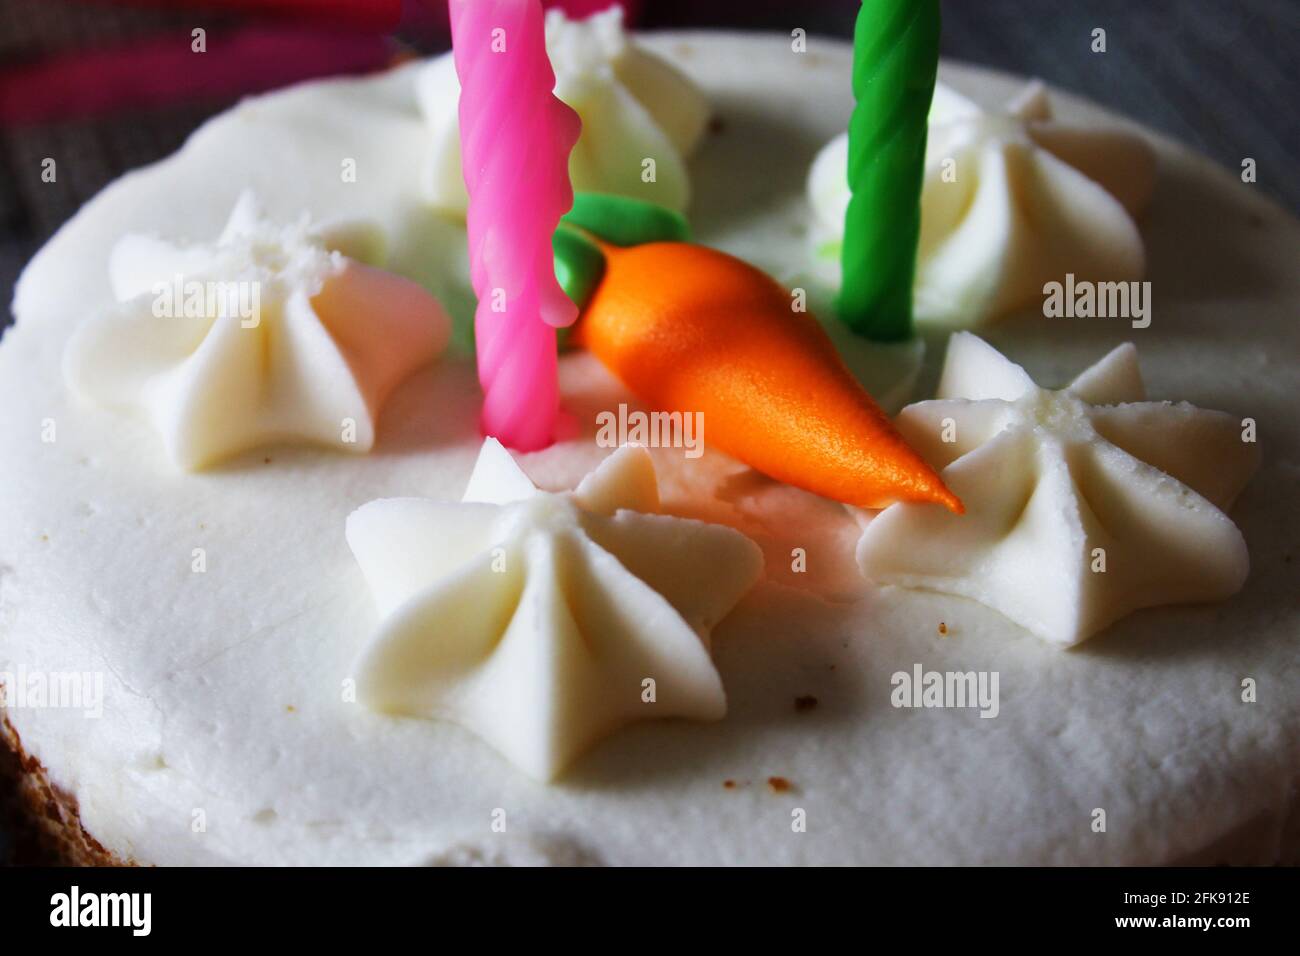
688	328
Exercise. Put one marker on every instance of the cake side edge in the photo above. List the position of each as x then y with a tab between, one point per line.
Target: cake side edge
43	819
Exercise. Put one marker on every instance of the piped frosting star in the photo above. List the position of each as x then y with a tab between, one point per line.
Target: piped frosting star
1012	200
545	621
1082	505
268	334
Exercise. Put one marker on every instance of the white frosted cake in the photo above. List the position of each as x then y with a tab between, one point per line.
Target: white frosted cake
308	654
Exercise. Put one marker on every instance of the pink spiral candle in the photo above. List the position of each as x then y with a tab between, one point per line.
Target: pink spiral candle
515	141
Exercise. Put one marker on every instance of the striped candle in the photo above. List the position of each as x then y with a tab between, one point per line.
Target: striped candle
515	142
895	61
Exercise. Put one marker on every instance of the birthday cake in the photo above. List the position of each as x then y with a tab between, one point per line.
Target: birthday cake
830	527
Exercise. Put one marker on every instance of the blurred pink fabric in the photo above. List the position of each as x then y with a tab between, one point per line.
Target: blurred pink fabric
160	72
279	42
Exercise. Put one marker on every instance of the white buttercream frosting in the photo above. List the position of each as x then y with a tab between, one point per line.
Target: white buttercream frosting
544	621
1011	201
1082	504
268	334
634	107
200	670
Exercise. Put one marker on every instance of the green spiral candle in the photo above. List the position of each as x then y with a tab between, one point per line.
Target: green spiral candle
895	60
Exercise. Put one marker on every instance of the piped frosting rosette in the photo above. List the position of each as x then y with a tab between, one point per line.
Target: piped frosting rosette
270	333
641	118
1011	200
545	621
1082	504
